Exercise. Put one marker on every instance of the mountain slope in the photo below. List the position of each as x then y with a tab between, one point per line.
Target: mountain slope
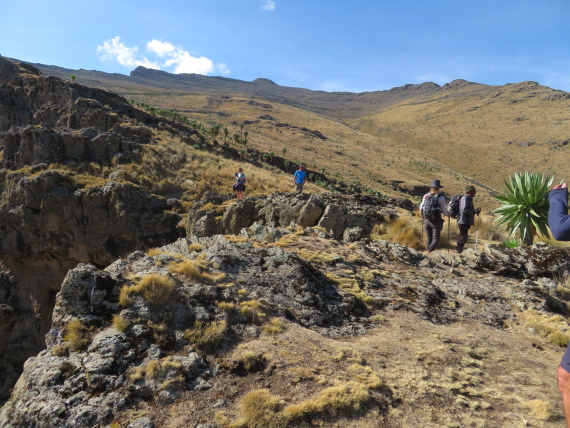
462	132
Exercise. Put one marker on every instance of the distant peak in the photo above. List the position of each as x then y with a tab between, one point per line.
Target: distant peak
458	83
262	81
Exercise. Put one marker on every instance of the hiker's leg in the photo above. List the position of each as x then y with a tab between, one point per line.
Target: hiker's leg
436	226
564	384
462	238
428	229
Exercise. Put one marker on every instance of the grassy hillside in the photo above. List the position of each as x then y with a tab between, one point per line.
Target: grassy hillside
389	141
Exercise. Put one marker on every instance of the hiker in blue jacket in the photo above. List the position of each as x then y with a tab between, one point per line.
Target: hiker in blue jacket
559	223
299	177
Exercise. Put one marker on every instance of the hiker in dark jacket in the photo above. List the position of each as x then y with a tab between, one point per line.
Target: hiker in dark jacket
466	219
558	218
559	223
432	207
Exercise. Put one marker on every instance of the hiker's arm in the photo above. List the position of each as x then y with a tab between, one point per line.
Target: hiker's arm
558	218
443	206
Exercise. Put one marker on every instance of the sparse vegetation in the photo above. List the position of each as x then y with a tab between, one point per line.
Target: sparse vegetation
76	335
195	270
206	336
155	289
274	327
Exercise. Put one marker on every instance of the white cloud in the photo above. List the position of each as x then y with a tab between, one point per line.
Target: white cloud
114	49
268	5
171	57
160	48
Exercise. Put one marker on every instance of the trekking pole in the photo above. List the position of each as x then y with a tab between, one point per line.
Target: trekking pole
423	231
448	227
477	232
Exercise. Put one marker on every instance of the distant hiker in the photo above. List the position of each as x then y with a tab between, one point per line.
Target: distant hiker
299	178
432	207
559	223
239	186
466	219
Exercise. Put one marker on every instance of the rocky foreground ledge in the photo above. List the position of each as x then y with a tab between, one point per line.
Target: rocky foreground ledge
151	329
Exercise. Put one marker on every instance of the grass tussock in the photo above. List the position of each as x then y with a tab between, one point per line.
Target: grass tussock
155	252
541	409
195	247
195	270
318	256
406	231
166	371
119	323
262	409
207	336
253	311
155	289
76	335
555	329
226	307
274	327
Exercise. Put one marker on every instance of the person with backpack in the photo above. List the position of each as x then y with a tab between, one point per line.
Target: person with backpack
239	185
559	223
432	207
299	178
466	216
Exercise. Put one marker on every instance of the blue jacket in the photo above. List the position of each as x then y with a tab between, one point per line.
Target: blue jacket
300	176
558	218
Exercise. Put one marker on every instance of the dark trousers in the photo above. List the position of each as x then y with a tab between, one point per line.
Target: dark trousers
462	238
433	233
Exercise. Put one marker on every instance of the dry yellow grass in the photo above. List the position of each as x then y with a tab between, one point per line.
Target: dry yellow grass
75	335
196	270
555	329
207	335
119	323
154	288
541	409
274	326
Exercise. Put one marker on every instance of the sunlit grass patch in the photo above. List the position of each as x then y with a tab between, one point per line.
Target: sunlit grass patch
76	335
197	271
207	335
541	409
274	326
155	289
553	328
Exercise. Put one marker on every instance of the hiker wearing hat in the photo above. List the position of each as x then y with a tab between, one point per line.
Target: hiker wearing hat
432	207
466	219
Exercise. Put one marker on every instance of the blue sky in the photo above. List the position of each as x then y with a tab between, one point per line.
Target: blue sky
330	45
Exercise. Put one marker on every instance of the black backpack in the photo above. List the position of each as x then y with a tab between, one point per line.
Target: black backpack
454	206
431	209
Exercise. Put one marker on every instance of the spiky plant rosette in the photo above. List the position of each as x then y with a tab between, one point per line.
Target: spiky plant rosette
524	206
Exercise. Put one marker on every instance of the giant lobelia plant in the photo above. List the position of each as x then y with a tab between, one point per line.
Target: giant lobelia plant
524	206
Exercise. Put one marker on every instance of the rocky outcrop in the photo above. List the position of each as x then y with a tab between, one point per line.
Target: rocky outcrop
348	218
85	381
114	344
53	218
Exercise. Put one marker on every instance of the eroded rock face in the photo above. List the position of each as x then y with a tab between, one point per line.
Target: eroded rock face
348	218
50	220
80	385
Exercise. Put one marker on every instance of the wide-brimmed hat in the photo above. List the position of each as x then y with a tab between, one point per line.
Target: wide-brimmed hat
436	184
